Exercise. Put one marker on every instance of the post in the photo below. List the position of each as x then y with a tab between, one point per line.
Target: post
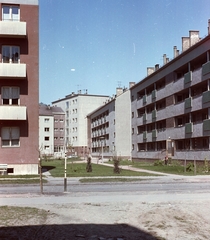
102	155
65	179
195	170
40	175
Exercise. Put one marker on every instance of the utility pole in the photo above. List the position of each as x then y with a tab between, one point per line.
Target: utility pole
40	175
65	179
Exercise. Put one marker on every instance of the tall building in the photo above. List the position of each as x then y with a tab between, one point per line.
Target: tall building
76	108
171	106
19	85
109	127
51	131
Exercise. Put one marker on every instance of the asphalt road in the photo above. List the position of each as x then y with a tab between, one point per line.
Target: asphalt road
167	185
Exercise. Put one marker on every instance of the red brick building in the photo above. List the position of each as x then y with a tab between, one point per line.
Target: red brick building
19	85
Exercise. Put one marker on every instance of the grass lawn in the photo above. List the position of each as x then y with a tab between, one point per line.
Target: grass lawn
56	169
174	168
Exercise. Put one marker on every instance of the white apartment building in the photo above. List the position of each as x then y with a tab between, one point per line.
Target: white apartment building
110	127
51	131
76	108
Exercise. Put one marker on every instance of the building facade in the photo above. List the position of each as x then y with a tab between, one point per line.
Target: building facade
19	85
171	106
51	131
109	127
76	108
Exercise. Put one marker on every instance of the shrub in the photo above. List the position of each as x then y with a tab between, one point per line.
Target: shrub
159	163
190	167
116	165
89	166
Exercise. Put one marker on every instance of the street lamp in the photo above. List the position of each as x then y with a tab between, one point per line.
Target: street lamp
102	153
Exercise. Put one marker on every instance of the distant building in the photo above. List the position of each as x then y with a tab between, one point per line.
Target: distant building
19	85
76	107
110	127
51	131
171	106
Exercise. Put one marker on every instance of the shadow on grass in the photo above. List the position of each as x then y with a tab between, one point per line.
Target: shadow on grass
47	168
75	231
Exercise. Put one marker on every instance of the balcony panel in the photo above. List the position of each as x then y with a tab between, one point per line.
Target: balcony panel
206	68
12	112
188	77
12	70
12	29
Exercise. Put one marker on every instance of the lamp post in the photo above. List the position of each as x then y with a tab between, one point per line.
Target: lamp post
102	152
65	179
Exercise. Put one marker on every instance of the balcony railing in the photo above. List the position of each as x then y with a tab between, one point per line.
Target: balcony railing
12	112
12	29
12	70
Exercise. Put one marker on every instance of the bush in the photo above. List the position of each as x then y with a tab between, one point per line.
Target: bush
116	165
89	166
190	167
159	163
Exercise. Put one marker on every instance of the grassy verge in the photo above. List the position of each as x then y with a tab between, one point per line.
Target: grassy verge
121	179
21	179
56	169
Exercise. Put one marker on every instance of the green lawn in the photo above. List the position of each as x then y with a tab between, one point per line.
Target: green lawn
174	167
74	169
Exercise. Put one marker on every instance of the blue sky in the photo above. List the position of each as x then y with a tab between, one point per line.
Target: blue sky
99	45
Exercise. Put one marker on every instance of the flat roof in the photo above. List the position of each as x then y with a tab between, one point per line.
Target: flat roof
25	2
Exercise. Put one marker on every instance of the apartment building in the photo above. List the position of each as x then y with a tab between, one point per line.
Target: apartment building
171	106
19	85
51	131
110	127
76	107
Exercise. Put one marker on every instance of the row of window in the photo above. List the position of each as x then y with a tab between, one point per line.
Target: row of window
181	144
10	95
10	13
10	136
10	54
47	138
74	101
74	111
47	129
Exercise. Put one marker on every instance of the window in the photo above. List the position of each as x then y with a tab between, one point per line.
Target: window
10	136
46	138
46	120
10	54
10	13
10	95
46	129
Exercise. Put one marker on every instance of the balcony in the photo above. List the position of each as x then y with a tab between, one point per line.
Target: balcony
12	112
12	29
12	70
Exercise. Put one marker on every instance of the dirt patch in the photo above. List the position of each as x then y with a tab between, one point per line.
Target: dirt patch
139	220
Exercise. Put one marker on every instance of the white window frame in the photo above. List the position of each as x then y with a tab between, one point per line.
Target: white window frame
13	52
10	137
10	14
10	94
